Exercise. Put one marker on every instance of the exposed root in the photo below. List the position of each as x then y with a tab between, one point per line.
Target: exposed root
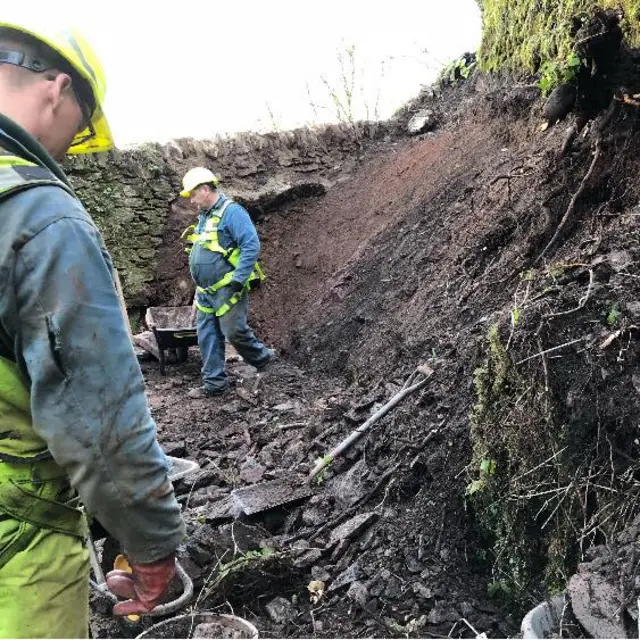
574	200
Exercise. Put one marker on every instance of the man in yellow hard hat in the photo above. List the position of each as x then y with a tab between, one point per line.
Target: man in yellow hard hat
223	263
74	420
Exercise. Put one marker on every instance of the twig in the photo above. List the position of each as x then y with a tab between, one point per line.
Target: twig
509	176
384	497
193	484
542	353
204	586
436	547
526	473
324	434
292	425
546	522
472	628
574	200
517	307
313	623
611	338
581	302
544	367
539	494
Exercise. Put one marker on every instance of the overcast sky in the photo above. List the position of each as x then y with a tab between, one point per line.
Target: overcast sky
200	68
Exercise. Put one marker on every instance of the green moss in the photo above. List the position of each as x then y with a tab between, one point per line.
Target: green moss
523	35
513	432
127	195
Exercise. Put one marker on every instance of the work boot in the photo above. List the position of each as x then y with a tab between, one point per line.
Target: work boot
265	366
201	392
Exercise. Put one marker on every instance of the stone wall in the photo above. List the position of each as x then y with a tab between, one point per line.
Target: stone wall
132	194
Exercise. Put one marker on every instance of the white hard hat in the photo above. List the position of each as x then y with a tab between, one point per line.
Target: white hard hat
195	177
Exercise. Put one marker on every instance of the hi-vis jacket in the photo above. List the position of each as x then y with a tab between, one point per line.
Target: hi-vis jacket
73	412
225	248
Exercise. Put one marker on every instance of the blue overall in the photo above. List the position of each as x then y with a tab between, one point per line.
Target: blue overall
207	268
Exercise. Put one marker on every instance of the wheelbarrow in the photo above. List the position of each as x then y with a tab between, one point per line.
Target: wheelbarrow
179	468
172	329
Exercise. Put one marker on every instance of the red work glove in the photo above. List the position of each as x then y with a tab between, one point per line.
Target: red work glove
144	587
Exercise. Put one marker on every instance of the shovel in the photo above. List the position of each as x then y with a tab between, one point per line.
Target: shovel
415	381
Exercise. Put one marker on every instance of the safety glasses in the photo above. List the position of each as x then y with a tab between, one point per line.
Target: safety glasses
82	92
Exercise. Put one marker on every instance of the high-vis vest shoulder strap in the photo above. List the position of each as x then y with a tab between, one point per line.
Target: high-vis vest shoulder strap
33	488
17	174
208	237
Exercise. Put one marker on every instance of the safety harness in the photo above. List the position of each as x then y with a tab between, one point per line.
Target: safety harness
208	238
33	489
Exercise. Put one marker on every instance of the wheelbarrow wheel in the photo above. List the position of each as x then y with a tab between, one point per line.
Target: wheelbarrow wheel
182	354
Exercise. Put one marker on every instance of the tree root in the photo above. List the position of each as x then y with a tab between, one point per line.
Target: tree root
574	200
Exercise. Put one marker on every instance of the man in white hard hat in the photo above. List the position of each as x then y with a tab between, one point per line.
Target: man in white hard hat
73	414
223	264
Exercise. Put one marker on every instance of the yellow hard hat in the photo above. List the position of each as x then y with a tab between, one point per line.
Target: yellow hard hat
73	48
195	177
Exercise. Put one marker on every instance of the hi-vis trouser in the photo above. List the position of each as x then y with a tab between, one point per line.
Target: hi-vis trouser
44	562
208	238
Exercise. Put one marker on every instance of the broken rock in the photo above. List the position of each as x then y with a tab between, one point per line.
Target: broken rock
175	449
220	512
266	495
287	406
595	602
199	553
422	591
313	517
393	589
349	487
252	471
280	610
358	594
440	614
352	528
308	558
320	573
423	121
353	573
147	341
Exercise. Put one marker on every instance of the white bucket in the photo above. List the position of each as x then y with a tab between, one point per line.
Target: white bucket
180	467
184	625
544	620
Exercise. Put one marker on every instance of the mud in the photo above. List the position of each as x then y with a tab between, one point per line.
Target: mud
411	259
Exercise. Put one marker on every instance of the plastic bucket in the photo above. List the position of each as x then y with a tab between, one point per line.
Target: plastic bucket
544	620
184	626
180	467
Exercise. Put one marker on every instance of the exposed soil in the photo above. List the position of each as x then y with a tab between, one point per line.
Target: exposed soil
409	259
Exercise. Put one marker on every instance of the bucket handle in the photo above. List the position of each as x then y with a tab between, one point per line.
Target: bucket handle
161	609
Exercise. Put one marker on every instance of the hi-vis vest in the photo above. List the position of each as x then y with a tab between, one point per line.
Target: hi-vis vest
208	238
33	488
